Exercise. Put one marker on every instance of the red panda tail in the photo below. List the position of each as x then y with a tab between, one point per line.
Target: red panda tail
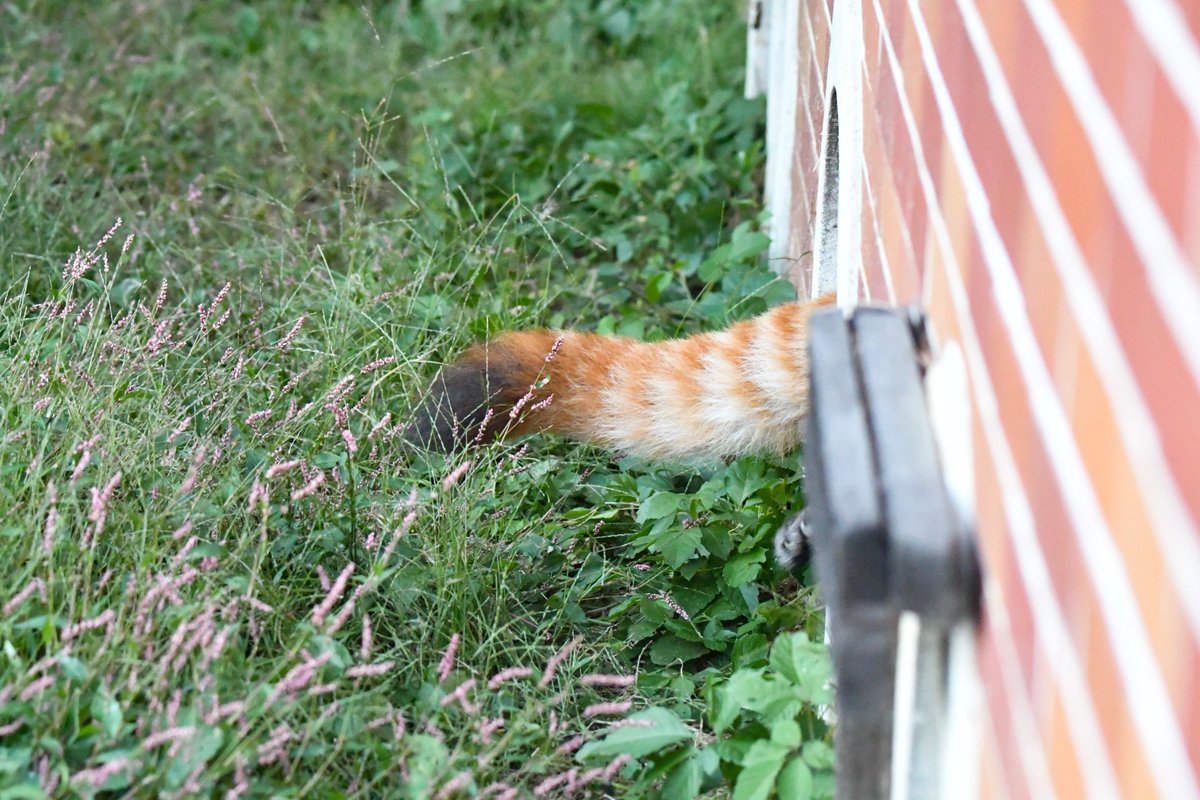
737	391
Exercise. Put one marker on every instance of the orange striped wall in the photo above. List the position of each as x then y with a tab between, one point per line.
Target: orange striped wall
1031	172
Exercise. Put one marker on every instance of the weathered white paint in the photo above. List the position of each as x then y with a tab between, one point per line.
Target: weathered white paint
837	255
782	18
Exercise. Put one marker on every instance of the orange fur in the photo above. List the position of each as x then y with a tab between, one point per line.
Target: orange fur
711	395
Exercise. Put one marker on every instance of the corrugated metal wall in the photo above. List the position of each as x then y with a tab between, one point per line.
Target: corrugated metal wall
1030	172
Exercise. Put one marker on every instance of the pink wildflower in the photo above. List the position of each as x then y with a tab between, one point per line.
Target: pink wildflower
162	297
459	781
380	425
615	765
99	511
82	464
489	726
631	723
258	416
283	343
258	496
459	695
193	475
351	442
298	677
256	604
483	426
374	365
512	673
344	614
109	234
103	620
457	474
37	687
608	680
556	660
365	651
544	788
603	709
515	411
670	601
335	593
370	670
340	389
272	750
171	735
447	662
278	469
570	745
502	791
96	777
310	487
175	434
241	782
51	518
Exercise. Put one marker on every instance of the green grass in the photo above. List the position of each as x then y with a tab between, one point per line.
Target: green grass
377	186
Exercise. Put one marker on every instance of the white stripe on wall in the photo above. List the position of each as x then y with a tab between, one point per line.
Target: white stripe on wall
1164	27
1173	280
1148	700
1050	626
878	236
1176	532
1031	750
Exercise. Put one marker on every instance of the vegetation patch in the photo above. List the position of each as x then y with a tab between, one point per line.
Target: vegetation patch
236	240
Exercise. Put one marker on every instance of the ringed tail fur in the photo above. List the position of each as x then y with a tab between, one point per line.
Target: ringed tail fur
705	397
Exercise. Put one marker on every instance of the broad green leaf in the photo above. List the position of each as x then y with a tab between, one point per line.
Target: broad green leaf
665	729
750	649
678	545
762	763
795	780
743	568
803	663
696	596
107	711
23	791
732	697
658	505
684	781
671	649
656	285
73	668
14	759
748	244
818	755
203	746
786	732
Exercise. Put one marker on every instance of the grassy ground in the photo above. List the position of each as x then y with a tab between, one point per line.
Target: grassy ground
234	241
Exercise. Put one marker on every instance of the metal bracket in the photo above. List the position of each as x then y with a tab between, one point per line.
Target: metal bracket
886	541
